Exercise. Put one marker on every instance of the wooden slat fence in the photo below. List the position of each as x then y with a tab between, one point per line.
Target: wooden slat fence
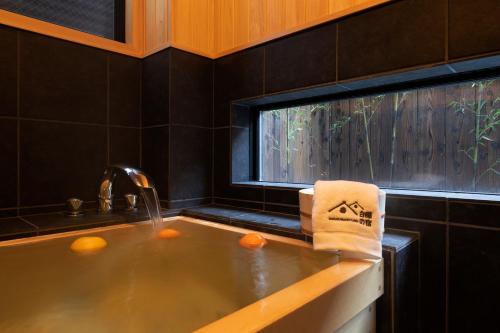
440	138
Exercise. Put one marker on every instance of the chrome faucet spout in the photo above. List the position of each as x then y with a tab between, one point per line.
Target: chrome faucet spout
105	196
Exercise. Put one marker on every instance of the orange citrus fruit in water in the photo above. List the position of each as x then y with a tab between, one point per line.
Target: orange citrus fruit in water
253	241
88	244
168	233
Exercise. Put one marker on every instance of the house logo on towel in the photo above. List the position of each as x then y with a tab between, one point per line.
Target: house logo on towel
352	212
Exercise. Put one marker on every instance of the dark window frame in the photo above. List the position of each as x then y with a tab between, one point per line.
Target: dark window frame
255	149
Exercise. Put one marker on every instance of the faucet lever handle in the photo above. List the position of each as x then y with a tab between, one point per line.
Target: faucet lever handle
74	206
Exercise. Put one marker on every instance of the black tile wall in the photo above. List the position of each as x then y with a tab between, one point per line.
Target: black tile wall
398	307
402	34
475	213
155	89
237	76
191	93
185	203
240	152
124	83
473	27
282	196
474	275
66	95
222	171
60	80
124	146
177	90
302	60
222	153
155	156
191	163
418	208
8	166
8	68
60	161
433	271
241	116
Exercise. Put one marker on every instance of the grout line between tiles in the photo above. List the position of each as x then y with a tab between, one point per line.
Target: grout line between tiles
18	122
155	126
189	125
140	114
107	113
169	133
212	171
68	122
26	221
447	277
410	219
471	226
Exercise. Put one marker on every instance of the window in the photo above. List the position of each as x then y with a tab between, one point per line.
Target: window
105	18
444	138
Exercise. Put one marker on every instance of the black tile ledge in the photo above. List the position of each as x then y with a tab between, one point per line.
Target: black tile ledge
11	228
50	223
281	224
219	212
274	221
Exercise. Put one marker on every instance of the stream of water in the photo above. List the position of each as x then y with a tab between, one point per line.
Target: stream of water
152	205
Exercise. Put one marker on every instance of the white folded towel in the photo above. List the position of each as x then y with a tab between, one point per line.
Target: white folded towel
348	216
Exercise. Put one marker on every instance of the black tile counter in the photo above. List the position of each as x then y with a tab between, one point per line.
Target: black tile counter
43	224
15	227
280	224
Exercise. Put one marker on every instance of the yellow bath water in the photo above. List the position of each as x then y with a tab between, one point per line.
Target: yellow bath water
141	283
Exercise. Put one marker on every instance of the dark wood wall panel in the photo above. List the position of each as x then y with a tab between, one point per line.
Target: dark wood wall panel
459	168
488	171
403	170
437	138
381	137
359	140
431	136
319	149
339	140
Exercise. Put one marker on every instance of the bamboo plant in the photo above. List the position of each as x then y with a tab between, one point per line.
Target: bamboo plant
399	99
486	123
366	107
